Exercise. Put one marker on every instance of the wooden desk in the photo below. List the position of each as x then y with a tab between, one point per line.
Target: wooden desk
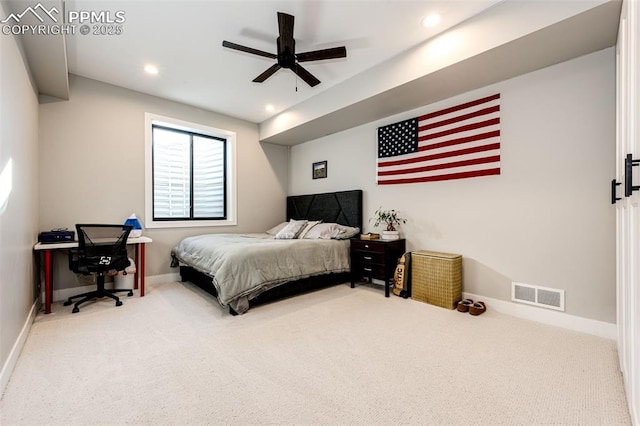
48	249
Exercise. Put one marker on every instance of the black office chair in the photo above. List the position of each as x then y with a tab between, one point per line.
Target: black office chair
101	249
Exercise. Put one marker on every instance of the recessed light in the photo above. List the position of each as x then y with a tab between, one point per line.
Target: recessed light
269	108
431	20
151	69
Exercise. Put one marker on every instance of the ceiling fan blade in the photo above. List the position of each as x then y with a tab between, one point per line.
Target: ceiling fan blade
268	73
248	50
285	26
317	55
305	75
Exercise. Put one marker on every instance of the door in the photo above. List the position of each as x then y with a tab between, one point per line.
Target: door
628	206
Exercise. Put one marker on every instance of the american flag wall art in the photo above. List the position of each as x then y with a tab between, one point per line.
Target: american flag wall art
459	142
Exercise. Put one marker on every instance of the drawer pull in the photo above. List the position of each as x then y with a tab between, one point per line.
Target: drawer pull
366	246
367	257
368	269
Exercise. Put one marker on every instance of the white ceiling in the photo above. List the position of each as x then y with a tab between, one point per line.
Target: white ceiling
393	64
184	40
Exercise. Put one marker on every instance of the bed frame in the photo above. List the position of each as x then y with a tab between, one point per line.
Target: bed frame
343	207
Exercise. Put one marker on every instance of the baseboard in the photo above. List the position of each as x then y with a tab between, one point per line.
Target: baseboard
65	293
12	359
546	316
165	278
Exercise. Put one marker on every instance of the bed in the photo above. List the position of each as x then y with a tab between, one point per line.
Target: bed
308	251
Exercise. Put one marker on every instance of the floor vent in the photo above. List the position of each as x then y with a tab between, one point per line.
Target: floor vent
538	296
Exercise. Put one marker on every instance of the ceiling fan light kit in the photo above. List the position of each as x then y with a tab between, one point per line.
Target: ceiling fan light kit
286	56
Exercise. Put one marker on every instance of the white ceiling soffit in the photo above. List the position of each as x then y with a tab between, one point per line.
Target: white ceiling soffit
492	54
46	53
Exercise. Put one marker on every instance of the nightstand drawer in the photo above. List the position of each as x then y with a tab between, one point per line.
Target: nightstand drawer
368	257
369	246
375	271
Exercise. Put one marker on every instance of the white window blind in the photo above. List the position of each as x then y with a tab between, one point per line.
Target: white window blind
171	174
188	175
208	177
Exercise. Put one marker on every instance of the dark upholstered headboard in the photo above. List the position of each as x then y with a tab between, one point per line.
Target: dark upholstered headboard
343	207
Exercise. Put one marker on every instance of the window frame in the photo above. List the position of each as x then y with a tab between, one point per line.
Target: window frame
230	178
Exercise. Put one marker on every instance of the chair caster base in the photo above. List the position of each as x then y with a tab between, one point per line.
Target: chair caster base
75	310
130	294
118	303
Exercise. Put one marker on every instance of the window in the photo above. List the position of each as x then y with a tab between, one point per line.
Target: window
190	174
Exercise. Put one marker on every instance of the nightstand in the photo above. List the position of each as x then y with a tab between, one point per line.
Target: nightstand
375	259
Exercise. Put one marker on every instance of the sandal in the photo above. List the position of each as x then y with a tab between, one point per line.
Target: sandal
477	308
463	305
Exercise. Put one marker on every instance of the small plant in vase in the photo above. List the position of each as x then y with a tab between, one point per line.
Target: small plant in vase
392	219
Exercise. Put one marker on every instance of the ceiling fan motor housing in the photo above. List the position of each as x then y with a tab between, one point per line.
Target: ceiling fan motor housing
286	54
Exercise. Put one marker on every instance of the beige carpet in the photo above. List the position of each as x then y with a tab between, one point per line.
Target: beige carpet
335	356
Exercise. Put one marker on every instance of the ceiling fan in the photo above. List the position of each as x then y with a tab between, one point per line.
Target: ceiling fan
287	56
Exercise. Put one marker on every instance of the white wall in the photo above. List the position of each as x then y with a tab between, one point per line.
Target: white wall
19	218
94	148
546	220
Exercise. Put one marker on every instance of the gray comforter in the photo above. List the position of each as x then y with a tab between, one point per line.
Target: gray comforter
244	265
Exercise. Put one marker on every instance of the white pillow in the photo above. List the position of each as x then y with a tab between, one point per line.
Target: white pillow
277	228
308	227
347	232
328	231
324	231
292	230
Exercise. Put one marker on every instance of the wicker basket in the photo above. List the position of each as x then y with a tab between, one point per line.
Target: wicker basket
436	278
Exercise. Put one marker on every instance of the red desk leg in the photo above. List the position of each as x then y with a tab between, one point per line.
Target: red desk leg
48	281
140	267
136	259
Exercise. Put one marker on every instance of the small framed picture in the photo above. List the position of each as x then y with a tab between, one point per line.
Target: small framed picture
320	170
